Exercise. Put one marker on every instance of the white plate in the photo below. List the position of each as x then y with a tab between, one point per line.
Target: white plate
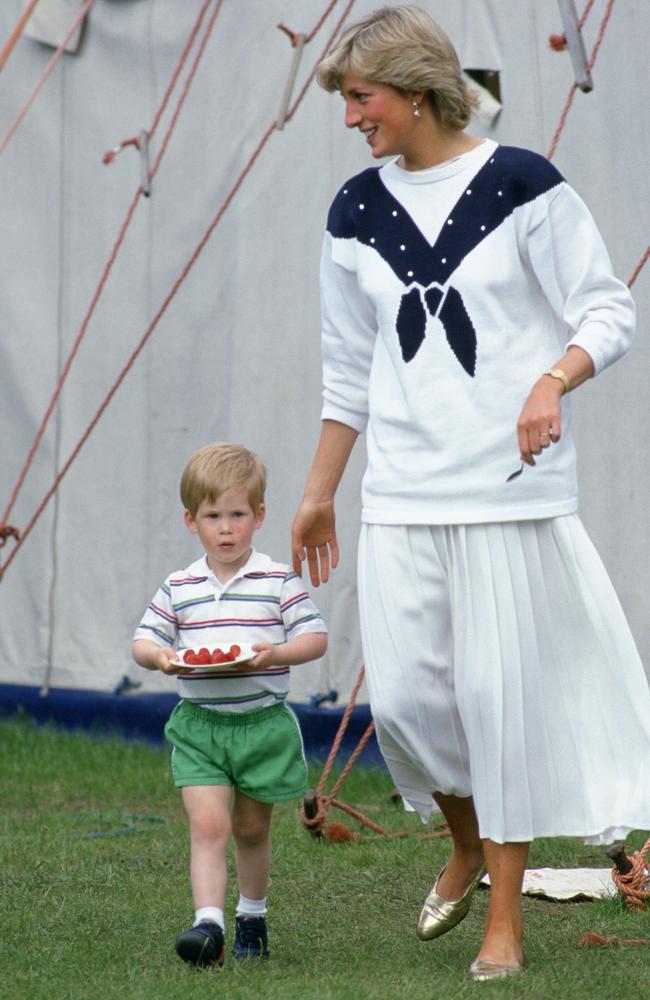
246	654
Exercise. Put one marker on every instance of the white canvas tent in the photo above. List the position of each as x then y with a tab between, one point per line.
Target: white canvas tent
236	354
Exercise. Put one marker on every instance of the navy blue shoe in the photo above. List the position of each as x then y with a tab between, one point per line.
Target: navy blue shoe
251	938
201	945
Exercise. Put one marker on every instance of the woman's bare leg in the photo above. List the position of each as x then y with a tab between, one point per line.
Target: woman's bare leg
467	856
504	933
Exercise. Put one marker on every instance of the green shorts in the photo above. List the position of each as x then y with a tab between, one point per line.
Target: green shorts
259	752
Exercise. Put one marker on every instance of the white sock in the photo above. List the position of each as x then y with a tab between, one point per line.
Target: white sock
251	907
213	913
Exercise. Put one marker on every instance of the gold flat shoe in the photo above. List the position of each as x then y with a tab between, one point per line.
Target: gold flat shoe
483	969
438	915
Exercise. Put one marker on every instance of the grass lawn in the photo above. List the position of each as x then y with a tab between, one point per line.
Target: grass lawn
95	889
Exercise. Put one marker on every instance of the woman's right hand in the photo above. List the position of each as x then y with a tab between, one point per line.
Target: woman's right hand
313	537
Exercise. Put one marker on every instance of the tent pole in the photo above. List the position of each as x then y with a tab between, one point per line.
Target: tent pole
574	39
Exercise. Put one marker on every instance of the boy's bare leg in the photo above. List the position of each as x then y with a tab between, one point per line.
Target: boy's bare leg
251	829
208	809
467	856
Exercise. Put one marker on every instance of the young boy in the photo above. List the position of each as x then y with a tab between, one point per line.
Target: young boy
237	747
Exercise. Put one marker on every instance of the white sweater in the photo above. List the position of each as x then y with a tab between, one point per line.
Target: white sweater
446	293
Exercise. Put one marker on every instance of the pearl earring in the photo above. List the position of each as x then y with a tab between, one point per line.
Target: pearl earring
417	113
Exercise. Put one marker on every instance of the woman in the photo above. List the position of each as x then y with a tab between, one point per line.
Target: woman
466	292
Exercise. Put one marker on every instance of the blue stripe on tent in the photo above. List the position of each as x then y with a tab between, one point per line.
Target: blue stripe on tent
143	716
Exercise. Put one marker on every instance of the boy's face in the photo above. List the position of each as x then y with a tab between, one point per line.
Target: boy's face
226	529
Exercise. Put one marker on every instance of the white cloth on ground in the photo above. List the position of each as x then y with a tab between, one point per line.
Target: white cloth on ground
576	884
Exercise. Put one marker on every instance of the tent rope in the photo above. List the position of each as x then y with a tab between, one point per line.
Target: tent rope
591	938
111	259
16	34
574	87
171	294
316	804
637	270
45	74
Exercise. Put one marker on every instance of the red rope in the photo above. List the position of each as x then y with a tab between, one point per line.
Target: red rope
310	78
294	35
185	90
637	270
152	326
15	35
329	763
313	811
109	264
589	939
573	88
46	72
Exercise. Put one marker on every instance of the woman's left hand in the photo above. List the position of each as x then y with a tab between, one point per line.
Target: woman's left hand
540	421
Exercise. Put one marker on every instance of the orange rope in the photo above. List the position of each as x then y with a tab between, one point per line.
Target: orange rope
635	886
46	72
574	87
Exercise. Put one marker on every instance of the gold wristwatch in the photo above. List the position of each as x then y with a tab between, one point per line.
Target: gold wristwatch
563	377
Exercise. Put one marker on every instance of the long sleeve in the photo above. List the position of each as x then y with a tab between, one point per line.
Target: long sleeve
570	260
348	336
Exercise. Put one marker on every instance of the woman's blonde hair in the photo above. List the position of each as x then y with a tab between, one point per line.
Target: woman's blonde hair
218	468
405	48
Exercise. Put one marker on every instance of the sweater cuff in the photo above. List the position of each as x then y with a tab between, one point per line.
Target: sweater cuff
351	418
603	348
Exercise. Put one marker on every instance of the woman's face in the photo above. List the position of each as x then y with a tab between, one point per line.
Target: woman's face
383	114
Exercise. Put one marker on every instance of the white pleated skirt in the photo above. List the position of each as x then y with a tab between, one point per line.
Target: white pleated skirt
500	665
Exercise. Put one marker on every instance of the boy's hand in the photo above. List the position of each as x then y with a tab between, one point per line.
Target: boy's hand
166	660
265	656
151	656
301	649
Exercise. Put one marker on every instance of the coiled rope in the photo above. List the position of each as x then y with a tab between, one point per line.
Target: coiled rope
635	885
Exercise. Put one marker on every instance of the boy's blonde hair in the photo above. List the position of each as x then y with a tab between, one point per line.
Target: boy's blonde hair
218	468
404	48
